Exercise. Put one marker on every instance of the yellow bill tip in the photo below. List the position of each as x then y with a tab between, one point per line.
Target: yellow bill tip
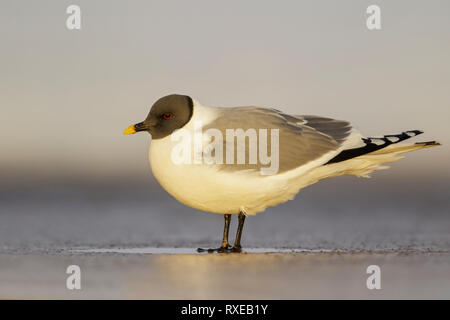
130	130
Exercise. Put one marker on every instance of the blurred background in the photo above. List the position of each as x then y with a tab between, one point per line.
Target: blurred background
68	177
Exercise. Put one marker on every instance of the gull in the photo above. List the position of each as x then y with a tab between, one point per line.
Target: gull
193	155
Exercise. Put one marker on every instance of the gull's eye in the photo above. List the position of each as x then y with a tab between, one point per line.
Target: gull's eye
168	115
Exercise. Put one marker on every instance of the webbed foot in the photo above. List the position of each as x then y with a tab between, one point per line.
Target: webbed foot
223	249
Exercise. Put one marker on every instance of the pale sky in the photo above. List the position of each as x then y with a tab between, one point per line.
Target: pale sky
66	96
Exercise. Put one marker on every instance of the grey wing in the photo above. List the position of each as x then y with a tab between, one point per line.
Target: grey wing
339	130
301	138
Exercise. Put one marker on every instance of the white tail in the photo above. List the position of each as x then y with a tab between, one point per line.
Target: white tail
362	165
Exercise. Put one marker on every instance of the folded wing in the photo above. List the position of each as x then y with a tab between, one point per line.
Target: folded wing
302	139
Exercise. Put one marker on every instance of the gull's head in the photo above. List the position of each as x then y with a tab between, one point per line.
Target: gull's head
166	115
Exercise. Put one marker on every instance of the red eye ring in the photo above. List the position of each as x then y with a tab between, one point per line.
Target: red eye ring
168	115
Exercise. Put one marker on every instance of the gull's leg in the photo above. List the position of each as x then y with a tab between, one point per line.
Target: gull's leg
237	242
225	247
226	229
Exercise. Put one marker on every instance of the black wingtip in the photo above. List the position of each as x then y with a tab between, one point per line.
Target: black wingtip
374	144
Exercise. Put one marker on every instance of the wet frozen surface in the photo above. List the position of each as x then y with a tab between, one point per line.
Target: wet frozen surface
139	243
300	275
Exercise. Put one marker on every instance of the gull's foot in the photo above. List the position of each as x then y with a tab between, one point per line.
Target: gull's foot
236	249
225	249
